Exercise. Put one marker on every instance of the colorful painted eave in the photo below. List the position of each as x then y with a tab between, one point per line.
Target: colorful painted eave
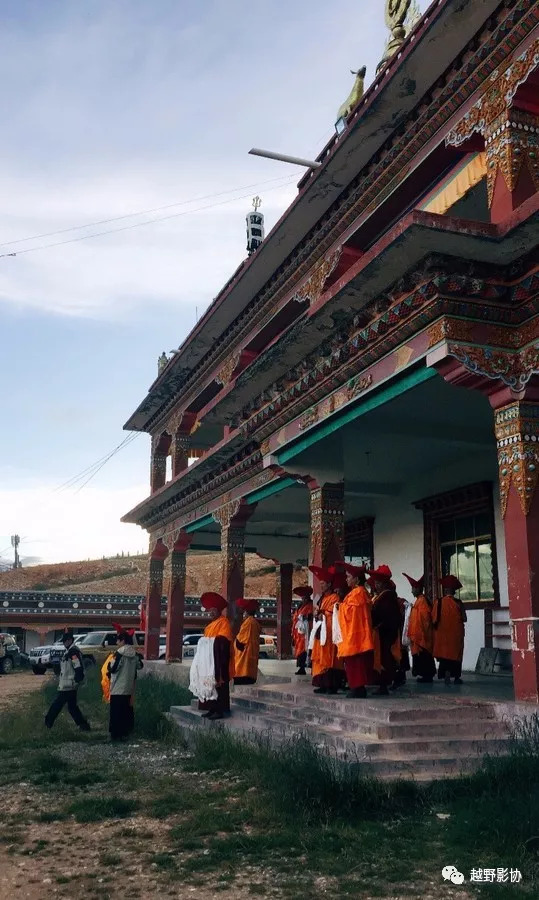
424	233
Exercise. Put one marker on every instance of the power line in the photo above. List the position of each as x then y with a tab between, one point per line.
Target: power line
72	481
142	212
91	470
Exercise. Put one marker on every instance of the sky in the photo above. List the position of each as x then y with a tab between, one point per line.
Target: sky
110	109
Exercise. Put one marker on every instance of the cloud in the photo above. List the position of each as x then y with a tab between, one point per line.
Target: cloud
60	526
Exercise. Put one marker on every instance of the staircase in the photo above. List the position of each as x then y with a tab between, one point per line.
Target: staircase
423	737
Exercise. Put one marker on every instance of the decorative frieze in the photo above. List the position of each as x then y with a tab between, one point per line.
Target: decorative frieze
514	369
517	439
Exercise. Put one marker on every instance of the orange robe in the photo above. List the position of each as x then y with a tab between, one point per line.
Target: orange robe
420	630
246	660
299	640
356	624
324	656
448	617
221	628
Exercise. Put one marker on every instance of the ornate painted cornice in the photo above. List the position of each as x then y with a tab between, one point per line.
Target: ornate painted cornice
451	305
374	183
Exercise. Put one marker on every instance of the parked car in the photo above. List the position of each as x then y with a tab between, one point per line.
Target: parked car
49	656
12	657
97	645
190	642
268	646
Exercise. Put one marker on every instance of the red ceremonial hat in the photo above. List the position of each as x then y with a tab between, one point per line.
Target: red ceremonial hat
321	574
304	590
382	573
451	582
353	570
211	600
338	579
415	584
249	605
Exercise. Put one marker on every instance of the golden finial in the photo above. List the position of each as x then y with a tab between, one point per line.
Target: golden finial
257	203
395	13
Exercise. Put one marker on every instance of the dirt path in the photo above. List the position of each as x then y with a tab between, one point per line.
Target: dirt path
17	684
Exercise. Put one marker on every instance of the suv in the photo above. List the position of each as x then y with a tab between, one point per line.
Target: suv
268	646
49	656
96	646
12	655
190	642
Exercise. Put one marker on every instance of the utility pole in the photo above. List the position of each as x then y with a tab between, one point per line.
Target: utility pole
15	541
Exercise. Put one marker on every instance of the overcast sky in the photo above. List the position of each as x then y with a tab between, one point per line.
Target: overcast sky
115	108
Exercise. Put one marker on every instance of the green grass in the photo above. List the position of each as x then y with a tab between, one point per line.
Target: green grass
290	813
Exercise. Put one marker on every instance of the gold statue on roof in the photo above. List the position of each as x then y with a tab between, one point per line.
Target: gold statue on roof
355	94
395	13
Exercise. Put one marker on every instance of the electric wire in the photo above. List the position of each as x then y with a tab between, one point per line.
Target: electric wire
143	212
96	466
95	234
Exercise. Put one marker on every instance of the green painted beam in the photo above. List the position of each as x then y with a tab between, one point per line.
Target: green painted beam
375	399
200	523
270	489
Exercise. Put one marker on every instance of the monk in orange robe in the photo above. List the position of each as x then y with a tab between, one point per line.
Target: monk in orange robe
327	668
357	645
220	629
386	621
421	633
247	644
448	618
301	623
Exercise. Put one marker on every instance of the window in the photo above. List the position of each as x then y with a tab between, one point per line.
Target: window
358	542
93	640
459	539
466	551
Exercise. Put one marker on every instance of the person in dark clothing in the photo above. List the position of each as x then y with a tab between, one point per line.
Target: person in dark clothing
386	620
71	677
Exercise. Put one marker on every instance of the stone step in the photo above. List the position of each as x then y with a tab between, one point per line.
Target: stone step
388	761
350	744
373	709
356	720
362	746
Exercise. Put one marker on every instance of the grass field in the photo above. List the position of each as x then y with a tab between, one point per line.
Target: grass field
241	820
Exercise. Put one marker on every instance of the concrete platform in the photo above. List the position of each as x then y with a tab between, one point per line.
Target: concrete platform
420	731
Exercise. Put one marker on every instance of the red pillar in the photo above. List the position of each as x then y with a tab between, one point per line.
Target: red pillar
284	610
517	437
153	600
176	598
233	518
327	523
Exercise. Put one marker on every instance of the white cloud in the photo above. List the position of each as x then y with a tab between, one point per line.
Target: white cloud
61	526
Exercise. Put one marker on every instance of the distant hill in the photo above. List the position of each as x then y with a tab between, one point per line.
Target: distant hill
128	574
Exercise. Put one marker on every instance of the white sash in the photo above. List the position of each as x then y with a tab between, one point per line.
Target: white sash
202	674
336	626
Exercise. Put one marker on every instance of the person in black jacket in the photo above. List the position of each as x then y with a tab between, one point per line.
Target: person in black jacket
71	676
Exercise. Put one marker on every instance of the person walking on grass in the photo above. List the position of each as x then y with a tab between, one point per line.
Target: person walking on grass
71	677
123	672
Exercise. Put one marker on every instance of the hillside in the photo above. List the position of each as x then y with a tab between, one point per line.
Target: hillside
127	575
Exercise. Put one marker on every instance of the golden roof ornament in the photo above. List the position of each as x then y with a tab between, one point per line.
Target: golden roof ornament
354	96
396	12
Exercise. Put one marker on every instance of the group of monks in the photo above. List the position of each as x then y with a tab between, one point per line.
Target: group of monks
356	632
354	635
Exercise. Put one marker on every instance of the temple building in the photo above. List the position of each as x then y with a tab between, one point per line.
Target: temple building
366	385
